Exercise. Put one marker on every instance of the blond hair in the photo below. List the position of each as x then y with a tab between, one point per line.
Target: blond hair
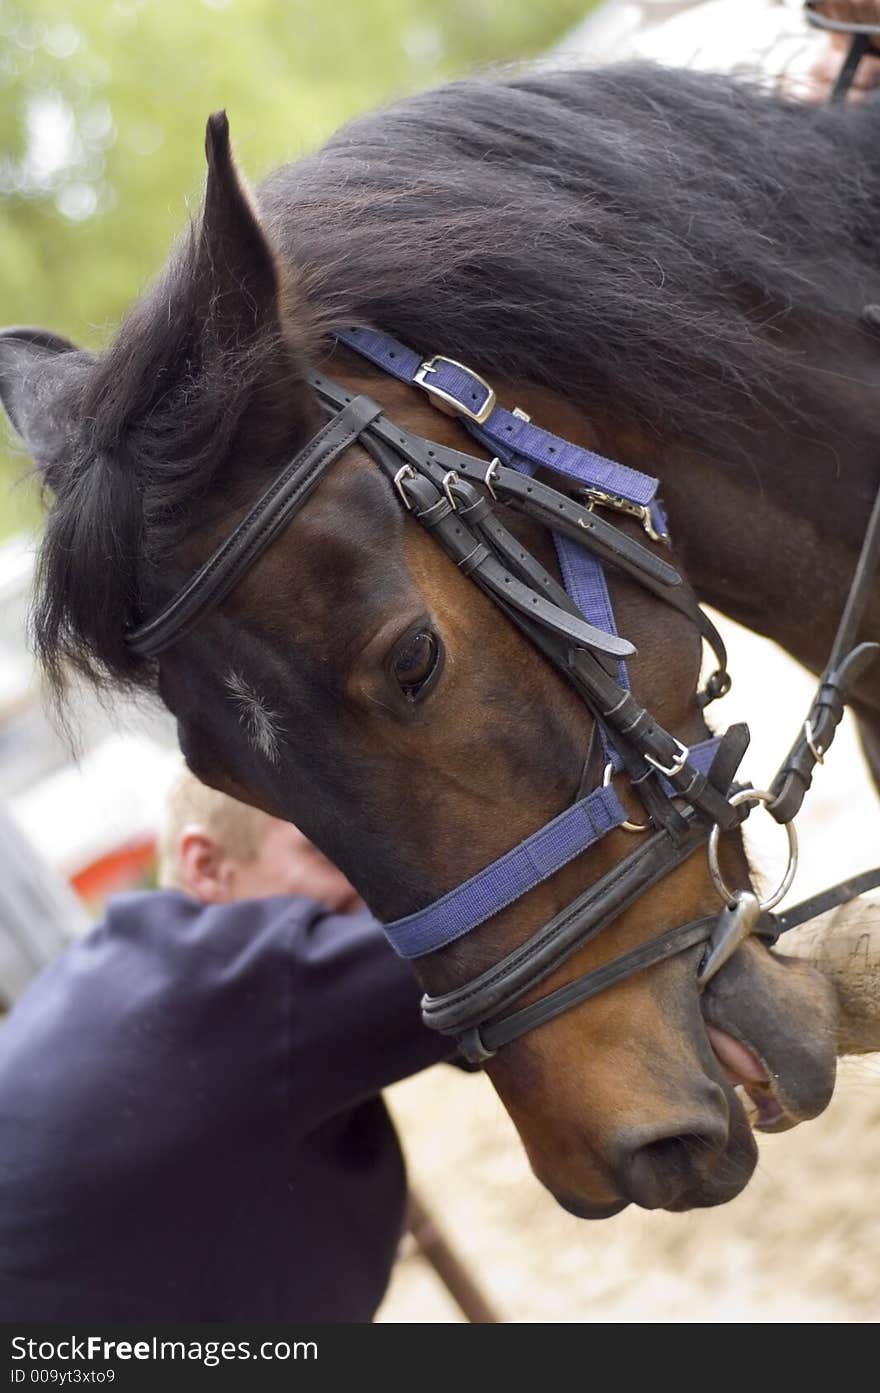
237	829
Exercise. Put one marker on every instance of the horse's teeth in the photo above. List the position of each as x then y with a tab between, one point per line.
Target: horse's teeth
749	1107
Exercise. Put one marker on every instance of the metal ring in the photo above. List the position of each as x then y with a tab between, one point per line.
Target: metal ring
815	750
719	683
627	826
753	795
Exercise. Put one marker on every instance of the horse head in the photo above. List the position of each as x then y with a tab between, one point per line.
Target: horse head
357	683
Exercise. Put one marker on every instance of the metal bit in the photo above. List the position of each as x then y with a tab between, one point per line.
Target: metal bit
732	927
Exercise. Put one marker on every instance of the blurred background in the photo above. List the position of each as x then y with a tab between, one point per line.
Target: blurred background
102	116
103	106
102	112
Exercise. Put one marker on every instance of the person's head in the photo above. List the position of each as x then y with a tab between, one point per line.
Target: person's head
217	849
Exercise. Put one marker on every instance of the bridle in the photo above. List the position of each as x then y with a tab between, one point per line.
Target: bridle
688	794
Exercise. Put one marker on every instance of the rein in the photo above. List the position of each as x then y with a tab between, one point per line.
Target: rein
453	495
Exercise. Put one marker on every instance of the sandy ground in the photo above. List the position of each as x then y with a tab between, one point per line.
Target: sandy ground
802	1243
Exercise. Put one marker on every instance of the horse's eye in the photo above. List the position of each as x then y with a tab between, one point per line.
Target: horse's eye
415	663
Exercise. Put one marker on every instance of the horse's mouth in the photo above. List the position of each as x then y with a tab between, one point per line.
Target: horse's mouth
758	1092
770	1022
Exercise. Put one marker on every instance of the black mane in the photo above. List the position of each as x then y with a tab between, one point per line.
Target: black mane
633	237
663	245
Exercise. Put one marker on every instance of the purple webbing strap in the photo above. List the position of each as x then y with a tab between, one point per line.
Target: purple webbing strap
502	431
519	870
584	580
511	876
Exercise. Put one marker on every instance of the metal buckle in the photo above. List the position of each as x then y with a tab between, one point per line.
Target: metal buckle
598	498
676	766
406	471
444	401
816	751
449	479
492	473
753	795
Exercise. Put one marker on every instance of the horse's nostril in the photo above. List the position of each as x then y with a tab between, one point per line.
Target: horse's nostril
659	1173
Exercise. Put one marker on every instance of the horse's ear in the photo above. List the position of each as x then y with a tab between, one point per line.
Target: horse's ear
36	368
235	260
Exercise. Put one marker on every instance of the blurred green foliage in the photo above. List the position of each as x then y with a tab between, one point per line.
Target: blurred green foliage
102	112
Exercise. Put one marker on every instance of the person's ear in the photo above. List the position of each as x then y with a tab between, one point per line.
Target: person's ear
205	872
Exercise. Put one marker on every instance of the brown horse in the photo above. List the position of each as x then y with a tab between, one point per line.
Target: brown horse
665	267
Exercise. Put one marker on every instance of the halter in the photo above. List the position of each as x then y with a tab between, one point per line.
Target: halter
688	793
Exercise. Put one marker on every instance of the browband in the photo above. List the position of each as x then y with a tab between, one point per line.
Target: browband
255	533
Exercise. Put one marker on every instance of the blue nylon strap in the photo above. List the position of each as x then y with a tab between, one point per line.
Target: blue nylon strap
584	580
507	879
501	432
516	872
506	434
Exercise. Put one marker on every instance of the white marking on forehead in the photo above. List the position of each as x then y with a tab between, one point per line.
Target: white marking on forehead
260	723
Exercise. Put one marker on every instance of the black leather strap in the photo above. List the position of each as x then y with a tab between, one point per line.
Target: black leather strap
582	645
460	518
846	662
796	773
556	510
634	726
435	512
479	1041
255	533
493	991
835	895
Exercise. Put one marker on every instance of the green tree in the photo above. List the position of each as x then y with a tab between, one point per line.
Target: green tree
102	112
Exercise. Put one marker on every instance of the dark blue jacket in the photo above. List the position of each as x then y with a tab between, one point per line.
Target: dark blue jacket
189	1120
